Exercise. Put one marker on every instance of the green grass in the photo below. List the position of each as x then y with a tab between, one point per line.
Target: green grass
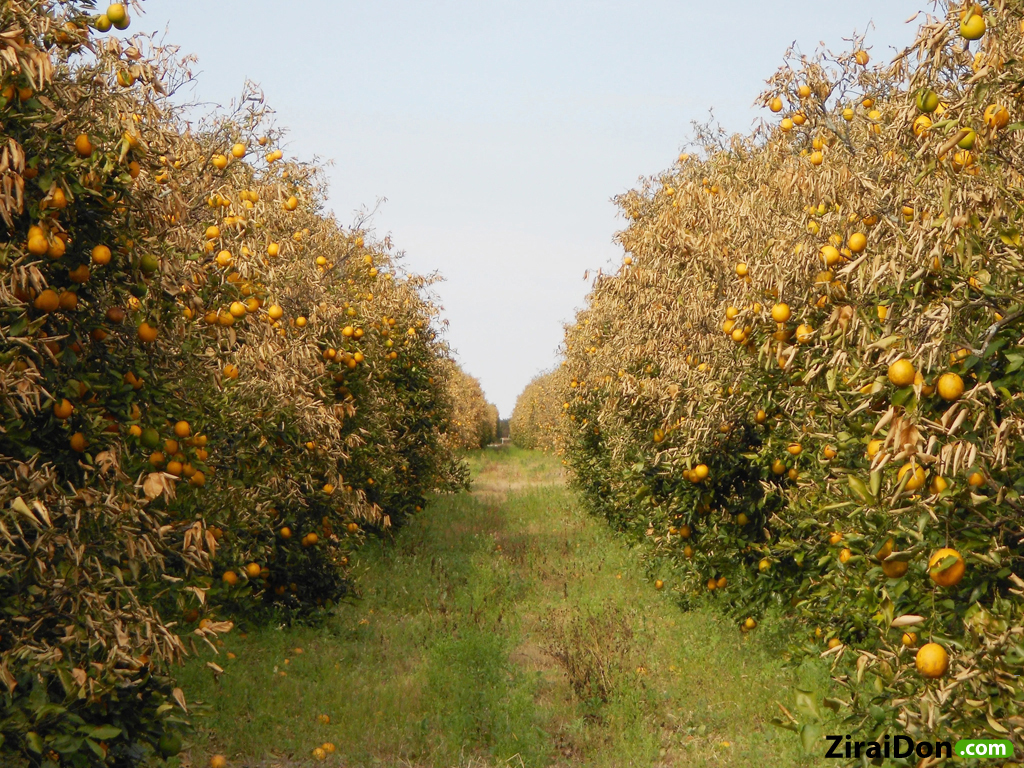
503	626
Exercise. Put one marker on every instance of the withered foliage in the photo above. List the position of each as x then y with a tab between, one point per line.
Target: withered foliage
769	453
538	412
211	391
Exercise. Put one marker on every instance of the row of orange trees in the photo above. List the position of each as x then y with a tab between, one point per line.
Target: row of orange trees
537	414
803	388
210	391
474	421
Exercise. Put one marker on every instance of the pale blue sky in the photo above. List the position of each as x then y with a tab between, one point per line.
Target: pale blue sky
499	131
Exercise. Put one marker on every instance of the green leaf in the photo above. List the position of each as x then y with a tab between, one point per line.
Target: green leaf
807	705
902	395
834	704
860	489
105	732
34	741
810	737
787	724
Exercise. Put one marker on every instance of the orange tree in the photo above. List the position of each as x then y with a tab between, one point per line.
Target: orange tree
474	421
804	386
537	414
210	390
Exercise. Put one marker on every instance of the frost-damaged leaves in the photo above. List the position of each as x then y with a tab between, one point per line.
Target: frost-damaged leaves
806	377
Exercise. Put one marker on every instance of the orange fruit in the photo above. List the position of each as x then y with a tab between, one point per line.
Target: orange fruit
38	245
951	386
976	479
901	372
286	532
775	105
830	255
230	578
47	301
79	274
658	584
909	639
68	300
82	145
117	14
197	479
56	248
916	479
996	116
781	313
182	429
972	28
147	333
932	661
857	242
253	570
175	467
951	575
100	255
63	409
894	569
238	150
78	442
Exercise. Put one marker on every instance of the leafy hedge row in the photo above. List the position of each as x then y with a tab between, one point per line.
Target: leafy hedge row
538	411
803	389
210	391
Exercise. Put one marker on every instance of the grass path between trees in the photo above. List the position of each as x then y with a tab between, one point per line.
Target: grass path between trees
501	627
